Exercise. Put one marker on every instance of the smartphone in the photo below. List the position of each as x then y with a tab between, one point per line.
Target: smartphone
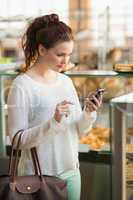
98	93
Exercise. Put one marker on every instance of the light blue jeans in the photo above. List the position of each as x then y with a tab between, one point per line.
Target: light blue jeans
73	183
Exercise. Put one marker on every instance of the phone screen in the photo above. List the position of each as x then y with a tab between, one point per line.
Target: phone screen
99	92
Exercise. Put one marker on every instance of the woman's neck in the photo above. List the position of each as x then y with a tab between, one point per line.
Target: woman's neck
40	68
42	74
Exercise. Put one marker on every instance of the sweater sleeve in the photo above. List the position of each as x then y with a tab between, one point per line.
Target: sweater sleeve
18	105
82	119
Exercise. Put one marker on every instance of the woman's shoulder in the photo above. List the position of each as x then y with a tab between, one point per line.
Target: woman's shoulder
21	83
20	80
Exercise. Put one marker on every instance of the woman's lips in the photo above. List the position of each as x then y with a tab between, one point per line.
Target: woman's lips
60	66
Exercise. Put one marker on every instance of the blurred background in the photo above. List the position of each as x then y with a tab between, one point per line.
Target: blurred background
103	29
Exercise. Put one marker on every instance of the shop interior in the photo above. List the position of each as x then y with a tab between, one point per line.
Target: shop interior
102	58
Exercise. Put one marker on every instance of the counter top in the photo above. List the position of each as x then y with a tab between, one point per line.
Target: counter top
128	98
92	73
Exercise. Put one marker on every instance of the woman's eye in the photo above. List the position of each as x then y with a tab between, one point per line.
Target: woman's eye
60	55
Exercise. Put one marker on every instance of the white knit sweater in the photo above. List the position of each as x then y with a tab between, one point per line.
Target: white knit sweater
31	106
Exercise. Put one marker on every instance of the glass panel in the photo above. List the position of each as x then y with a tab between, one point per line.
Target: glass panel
98	138
5	84
129	156
122	147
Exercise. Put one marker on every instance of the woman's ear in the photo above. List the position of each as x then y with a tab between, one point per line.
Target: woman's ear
41	50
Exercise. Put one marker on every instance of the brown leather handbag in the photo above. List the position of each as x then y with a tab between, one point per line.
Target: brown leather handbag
31	187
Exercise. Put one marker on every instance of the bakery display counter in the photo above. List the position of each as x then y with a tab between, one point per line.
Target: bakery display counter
122	147
95	170
95	149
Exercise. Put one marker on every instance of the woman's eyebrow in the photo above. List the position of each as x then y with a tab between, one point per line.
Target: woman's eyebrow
62	53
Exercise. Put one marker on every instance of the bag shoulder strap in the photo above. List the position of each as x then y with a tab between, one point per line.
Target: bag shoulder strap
13	163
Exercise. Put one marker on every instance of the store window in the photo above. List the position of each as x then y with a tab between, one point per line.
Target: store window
113	31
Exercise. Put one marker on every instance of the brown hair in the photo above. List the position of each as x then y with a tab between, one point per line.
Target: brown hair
47	30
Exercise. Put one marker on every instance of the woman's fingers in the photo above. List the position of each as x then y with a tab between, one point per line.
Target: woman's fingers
95	101
62	109
92	103
91	106
66	103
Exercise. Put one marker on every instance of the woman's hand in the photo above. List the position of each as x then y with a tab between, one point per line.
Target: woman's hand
61	110
92	103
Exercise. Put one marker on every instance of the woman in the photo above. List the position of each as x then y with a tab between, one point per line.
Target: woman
44	103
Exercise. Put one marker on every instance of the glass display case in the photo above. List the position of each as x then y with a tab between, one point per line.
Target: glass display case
122	147
6	78
95	150
115	84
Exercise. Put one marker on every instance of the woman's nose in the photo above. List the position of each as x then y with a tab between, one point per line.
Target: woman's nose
65	60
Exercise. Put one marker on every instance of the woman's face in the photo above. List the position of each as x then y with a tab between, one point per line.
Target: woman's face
57	58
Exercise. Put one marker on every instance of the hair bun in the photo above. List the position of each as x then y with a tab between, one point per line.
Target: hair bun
52	18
